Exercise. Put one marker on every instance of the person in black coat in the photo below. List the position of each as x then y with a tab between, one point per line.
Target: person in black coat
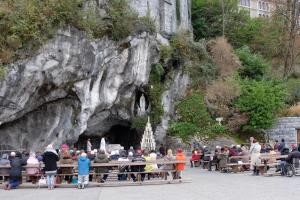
15	173
50	158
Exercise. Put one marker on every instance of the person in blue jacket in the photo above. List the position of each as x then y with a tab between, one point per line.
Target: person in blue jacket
83	171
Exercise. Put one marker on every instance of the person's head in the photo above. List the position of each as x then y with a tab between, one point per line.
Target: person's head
83	155
169	152
130	154
49	147
293	146
282	140
32	154
138	152
276	141
146	153
101	152
161	145
131	147
251	139
222	150
13	154
123	154
179	151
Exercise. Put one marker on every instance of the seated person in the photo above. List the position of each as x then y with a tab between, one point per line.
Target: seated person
195	157
168	158
138	168
102	158
223	158
123	168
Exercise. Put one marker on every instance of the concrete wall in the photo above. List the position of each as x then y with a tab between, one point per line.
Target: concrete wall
285	128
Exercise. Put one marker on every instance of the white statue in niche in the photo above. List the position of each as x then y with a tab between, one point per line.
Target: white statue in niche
103	145
142	106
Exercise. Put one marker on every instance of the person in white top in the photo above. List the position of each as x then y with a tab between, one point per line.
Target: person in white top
255	156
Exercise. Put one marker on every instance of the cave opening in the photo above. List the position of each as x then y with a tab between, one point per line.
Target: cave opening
117	134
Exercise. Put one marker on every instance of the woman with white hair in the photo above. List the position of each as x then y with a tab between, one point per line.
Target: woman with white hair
50	157
33	167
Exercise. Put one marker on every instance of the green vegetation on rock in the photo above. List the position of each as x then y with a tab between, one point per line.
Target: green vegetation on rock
26	24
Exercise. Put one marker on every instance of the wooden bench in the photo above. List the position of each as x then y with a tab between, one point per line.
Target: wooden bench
115	164
237	167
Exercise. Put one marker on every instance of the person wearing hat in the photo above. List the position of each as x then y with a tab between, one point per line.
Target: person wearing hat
50	158
180	166
15	173
83	171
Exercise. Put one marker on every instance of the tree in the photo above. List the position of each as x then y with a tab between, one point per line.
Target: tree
289	10
261	100
253	65
213	18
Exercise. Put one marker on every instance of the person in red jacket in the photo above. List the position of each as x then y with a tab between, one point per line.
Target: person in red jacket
195	157
180	166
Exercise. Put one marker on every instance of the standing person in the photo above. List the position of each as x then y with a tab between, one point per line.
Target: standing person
89	145
15	173
255	154
276	145
162	150
180	166
83	171
50	157
281	146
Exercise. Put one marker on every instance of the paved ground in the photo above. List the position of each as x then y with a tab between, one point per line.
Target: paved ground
205	186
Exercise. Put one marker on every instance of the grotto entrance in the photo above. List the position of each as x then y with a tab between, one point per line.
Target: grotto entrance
117	134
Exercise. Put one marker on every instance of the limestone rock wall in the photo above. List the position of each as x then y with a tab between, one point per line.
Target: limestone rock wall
75	85
169	15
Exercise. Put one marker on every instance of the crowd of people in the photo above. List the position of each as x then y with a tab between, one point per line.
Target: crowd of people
243	153
46	164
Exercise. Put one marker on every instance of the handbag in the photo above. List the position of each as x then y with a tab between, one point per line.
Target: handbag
42	181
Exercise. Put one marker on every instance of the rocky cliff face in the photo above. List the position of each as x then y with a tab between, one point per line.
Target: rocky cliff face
76	85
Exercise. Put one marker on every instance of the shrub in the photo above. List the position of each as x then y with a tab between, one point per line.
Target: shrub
261	100
220	97
192	109
223	56
193	58
139	123
253	65
166	52
293	89
183	130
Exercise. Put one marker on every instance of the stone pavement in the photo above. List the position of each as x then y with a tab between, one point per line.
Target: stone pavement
205	186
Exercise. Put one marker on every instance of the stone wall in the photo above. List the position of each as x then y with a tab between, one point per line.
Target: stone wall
285	128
